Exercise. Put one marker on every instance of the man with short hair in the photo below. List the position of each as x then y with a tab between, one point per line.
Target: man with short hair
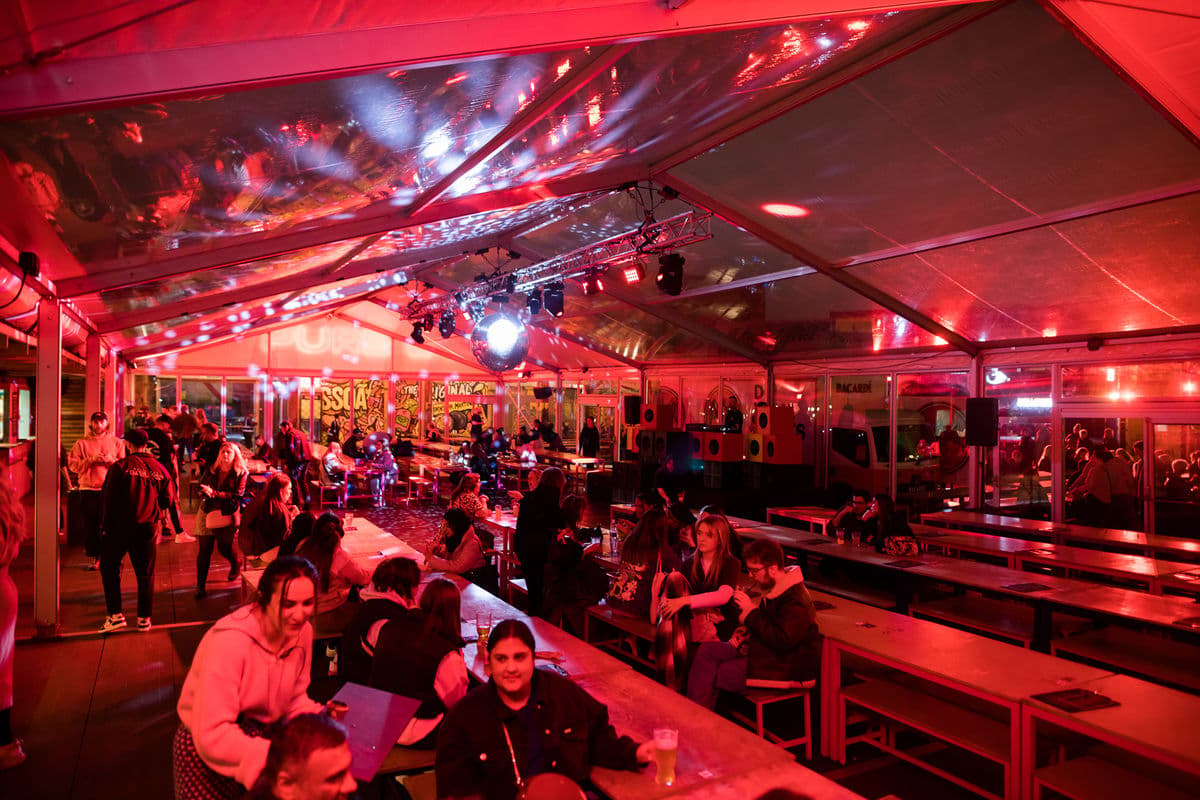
849	520
309	759
89	459
781	631
136	492
162	447
292	453
353	445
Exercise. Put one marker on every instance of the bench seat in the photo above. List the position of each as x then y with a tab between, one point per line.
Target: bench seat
1091	778
866	595
999	619
1143	655
637	627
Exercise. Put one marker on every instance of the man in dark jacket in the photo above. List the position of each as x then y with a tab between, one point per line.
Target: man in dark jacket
136	492
292	453
781	630
538	524
162	446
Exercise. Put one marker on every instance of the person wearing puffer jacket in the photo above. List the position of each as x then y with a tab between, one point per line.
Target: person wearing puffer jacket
250	670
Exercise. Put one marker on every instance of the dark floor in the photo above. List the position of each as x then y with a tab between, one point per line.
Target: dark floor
97	713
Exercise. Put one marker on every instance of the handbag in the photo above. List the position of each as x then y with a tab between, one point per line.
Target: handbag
217	519
902	545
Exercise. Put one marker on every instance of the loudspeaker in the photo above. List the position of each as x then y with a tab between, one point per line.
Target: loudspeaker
724	447
659	418
775	420
645	445
697	441
756	445
543	392
29	263
983	421
633	409
783	450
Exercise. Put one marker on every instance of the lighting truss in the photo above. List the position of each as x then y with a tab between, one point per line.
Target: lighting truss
652	237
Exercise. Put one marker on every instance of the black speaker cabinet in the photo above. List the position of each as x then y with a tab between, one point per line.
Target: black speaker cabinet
633	409
983	421
543	392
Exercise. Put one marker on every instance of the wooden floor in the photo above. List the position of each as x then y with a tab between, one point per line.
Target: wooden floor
97	712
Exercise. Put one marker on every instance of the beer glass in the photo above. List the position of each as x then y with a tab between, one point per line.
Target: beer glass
666	745
483	628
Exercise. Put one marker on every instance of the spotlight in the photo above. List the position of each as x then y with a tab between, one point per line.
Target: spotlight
427	322
510	283
447	324
592	284
418	334
633	272
670	273
533	301
552	299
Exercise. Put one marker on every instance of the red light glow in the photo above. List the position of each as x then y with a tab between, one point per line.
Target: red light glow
633	273
458	78
858	25
785	210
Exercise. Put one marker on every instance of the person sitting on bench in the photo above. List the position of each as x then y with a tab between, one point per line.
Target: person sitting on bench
780	632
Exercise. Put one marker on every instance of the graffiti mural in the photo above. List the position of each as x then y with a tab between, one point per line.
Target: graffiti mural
370	405
406	399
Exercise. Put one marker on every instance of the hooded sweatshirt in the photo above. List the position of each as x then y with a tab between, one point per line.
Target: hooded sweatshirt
91	456
236	673
784	640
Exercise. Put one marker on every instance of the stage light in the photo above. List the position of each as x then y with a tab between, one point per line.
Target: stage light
552	299
418	334
499	342
633	272
447	324
592	284
510	283
533	301
427	322
670	273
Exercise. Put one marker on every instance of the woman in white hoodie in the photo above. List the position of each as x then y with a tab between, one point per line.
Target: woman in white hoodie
251	669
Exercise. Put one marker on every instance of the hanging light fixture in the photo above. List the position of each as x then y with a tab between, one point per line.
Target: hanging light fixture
418	333
670	273
552	299
447	324
592	285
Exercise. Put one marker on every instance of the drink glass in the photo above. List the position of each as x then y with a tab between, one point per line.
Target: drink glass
666	746
483	628
337	709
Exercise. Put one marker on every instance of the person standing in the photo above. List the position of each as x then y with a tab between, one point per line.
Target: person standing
12	531
292	452
183	428
223	488
136	492
163	448
589	439
89	459
538	523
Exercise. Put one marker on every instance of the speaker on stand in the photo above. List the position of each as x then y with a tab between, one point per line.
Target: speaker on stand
983	432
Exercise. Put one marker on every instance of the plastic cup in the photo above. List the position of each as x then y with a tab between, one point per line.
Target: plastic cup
666	747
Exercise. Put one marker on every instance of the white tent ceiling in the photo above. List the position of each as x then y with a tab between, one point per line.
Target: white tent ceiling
968	175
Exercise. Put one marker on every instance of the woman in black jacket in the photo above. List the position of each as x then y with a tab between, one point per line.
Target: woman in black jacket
223	487
540	713
538	523
589	439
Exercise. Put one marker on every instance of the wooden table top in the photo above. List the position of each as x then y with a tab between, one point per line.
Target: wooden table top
741	522
973	542
794	776
806	513
374	720
1149	716
1138	607
710	747
969	660
1119	564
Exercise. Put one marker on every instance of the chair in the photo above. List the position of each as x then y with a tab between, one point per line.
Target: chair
419	489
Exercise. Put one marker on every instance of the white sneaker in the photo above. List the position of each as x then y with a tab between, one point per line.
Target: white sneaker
184	538
143	624
112	623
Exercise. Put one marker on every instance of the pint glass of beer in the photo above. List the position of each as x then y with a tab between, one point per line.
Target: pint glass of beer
666	745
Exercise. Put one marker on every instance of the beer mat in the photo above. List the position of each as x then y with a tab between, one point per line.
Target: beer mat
555	668
904	563
1038	551
821	605
1188	622
1191	577
1073	700
817	540
1027	587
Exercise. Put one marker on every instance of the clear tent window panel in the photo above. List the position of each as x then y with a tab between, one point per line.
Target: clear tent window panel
916	152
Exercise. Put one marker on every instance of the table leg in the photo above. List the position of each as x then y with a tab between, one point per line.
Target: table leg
1043	622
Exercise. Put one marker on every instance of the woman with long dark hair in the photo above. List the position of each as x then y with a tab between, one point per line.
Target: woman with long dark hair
250	671
420	655
712	575
647	552
336	571
223	487
466	496
507	731
268	520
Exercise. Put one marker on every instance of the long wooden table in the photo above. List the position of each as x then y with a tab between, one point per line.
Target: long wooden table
990	547
1147	572
998	675
1066	533
814	518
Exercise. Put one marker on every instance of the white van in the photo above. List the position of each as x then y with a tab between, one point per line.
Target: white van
858	452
